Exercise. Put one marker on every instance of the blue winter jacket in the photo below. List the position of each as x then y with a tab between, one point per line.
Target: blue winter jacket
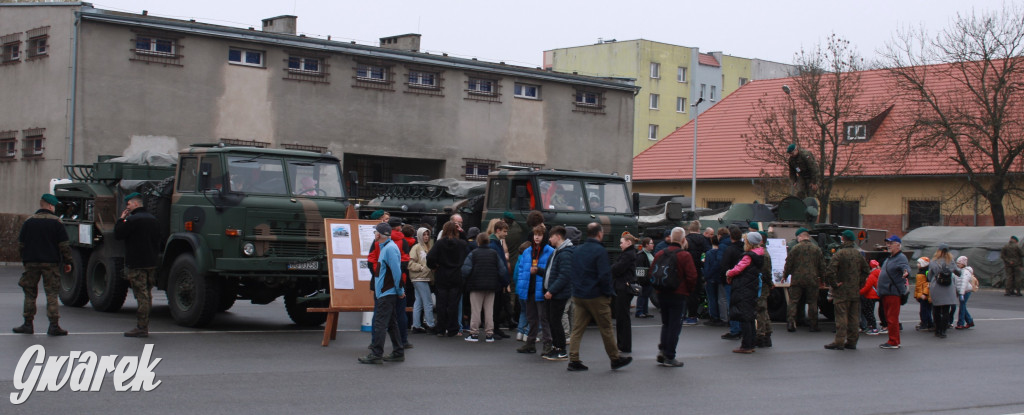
712	270
495	244
523	272
591	271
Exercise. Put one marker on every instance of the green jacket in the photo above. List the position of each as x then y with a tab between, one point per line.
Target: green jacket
803	164
806	264
846	273
1011	254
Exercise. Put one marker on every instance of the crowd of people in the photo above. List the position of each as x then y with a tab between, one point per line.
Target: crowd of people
562	280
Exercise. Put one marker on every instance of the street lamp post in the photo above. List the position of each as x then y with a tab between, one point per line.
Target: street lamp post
792	110
693	178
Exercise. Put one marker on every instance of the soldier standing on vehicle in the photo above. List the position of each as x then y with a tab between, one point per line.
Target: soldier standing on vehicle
802	170
847	272
43	242
141	235
806	264
1011	254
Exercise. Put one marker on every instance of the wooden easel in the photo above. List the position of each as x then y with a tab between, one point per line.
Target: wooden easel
354	298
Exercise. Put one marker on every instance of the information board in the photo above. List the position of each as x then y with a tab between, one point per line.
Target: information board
776	250
348	244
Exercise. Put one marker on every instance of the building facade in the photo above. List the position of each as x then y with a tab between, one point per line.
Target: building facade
111	83
671	79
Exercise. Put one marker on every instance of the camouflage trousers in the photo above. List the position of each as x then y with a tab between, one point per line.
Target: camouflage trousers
847	321
764	322
800	295
29	282
142	281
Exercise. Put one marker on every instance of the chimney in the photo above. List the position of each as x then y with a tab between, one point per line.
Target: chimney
408	42
281	24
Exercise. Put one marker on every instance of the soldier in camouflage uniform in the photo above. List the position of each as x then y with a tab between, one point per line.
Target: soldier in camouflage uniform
802	170
43	242
763	320
847	272
141	235
1011	254
806	264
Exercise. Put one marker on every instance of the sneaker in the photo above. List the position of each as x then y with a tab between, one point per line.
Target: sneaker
472	338
563	354
394	357
833	346
732	336
883	330
372	359
407	346
489	339
621	362
520	337
576	366
871	332
417	330
743	351
671	363
692	321
889	346
661	357
960	327
137	332
552	355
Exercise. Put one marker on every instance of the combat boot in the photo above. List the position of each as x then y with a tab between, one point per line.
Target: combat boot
137	332
25	328
55	330
765	341
529	347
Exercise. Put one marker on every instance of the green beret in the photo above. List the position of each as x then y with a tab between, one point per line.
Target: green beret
377	214
848	234
764	235
508	215
131	196
1011	236
801	230
791	148
51	199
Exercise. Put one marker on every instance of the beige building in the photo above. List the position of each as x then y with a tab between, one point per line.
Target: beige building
79	82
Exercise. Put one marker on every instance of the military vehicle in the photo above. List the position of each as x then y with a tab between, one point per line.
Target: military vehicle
239	223
563	197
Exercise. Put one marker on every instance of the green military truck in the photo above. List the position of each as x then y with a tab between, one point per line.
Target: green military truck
567	198
239	223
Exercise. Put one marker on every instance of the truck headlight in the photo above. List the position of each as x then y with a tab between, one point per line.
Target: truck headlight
248	249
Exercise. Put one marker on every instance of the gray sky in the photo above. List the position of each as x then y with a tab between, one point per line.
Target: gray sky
518	32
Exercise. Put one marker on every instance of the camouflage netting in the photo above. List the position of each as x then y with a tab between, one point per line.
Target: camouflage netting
10	225
980	244
147	158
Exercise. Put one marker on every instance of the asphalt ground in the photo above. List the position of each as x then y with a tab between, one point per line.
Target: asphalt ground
253	360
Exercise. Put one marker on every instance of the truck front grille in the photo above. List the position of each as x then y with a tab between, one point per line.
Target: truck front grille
298	249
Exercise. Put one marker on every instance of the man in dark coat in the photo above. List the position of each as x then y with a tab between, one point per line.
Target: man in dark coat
43	242
557	290
731	252
140	232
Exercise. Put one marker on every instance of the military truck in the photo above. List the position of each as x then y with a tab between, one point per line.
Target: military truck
239	223
563	197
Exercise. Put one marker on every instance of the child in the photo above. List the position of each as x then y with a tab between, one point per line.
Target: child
483	273
966	284
868	298
922	294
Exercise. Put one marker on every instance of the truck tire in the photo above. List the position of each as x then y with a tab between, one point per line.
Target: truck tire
73	292
297	311
105	282
192	297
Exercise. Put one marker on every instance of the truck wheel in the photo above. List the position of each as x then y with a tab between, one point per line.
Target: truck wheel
73	292
228	295
191	296
297	310
105	283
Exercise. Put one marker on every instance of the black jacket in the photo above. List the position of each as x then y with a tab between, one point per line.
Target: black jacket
482	270
742	304
446	258
141	235
624	269
697	245
40	239
731	255
559	283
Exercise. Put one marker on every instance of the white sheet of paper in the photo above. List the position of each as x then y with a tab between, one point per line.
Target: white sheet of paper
777	251
85	234
341	239
342	269
364	270
365	238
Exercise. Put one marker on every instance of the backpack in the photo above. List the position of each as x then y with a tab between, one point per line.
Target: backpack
945	278
664	272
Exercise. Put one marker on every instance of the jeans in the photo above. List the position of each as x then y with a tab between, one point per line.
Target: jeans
535	310
734	326
623	327
672	306
423	308
385	321
402	319
926	314
712	291
643	299
556	309
964	317
524	326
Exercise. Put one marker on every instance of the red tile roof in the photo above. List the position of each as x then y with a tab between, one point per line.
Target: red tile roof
707	59
724	132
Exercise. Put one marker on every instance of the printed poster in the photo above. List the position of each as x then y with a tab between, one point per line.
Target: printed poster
343	279
365	239
364	272
341	239
777	252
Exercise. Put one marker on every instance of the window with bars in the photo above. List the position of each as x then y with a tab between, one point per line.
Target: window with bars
33	145
38	42
156	48
309	68
477	169
374	75
423	81
589	101
923	213
8	141
482	88
11	48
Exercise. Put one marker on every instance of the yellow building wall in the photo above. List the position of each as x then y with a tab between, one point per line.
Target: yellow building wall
733	69
668	88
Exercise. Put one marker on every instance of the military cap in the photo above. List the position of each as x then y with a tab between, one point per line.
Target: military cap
848	234
131	196
791	148
508	215
377	214
51	199
1014	238
801	230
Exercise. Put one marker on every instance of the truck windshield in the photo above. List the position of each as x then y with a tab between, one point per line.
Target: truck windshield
315	179
561	195
608	198
257	175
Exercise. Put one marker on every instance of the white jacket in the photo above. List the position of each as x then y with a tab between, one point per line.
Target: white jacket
963	282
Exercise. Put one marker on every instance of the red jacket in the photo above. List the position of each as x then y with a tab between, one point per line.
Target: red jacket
684	264
868	290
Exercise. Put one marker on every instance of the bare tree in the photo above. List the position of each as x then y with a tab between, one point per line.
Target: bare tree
968	86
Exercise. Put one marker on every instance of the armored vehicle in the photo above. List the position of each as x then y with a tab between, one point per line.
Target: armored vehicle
567	198
239	223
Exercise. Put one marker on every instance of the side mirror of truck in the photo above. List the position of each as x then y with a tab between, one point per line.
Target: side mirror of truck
673	211
636	203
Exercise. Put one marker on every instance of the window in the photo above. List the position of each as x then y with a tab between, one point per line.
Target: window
147	44
33	144
11	52
713	92
304	64
421	79
374	73
681	74
256	175
561	195
703	87
314	179
743	81
480	86
718	204
245	57
655	70
188	174
477	169
856	132
652	132
156	48
845	213
527	91
8	140
587	98
608	198
303	67
498	194
654	101
680	105
38	42
923	213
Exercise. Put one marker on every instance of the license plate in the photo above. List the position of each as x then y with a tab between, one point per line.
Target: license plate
304	266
